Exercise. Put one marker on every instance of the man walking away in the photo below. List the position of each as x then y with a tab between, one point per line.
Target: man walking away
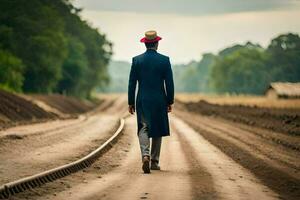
153	73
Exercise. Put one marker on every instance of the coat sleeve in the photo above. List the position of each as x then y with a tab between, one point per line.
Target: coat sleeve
132	84
169	83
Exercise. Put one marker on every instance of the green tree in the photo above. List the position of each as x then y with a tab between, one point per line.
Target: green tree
97	49
11	69
284	52
189	78
242	71
60	52
204	68
46	55
37	37
74	69
194	76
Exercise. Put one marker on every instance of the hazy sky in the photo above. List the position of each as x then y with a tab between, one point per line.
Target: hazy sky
190	28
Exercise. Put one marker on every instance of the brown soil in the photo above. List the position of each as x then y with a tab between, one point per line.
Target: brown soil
32	148
218	158
191	168
275	119
68	105
181	176
273	157
28	153
15	109
112	159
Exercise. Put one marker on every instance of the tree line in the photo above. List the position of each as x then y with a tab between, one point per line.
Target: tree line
46	47
243	69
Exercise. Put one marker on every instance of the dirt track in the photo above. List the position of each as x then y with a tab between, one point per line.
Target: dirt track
271	156
206	157
191	169
30	149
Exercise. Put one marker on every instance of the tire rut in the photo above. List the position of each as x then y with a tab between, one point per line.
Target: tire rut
277	178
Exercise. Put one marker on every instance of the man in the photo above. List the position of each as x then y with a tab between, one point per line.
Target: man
152	71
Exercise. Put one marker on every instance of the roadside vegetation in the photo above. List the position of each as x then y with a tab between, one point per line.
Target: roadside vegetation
45	47
243	69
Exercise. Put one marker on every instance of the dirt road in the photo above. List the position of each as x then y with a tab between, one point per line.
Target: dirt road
192	168
272	156
205	158
29	149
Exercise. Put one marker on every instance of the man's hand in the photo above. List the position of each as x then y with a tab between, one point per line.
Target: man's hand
169	108
131	109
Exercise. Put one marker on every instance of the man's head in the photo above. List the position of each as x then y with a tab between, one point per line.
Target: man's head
151	40
152	45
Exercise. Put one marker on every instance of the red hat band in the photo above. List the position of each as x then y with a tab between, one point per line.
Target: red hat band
145	40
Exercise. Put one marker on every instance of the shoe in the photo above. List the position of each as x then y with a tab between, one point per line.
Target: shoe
146	164
154	165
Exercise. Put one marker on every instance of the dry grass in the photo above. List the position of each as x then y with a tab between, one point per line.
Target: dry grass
259	101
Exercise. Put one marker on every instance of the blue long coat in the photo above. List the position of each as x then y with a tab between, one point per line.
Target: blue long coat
153	73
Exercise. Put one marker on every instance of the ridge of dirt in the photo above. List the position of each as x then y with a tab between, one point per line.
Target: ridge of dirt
17	110
67	105
276	119
20	109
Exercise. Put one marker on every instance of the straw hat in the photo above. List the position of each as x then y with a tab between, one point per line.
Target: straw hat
150	36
